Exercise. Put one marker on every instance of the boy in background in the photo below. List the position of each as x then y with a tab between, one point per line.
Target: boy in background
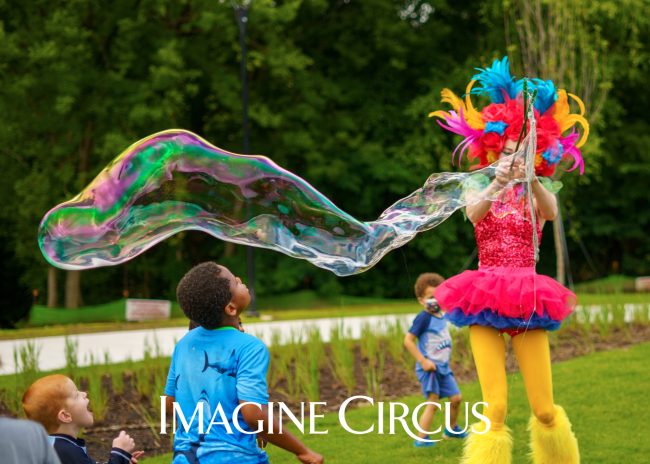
429	342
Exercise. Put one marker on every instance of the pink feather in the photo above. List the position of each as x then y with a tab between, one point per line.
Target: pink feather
570	148
456	123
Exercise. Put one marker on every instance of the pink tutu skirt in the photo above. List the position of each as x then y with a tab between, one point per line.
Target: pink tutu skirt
506	298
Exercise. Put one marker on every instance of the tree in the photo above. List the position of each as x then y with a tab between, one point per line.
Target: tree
339	95
557	41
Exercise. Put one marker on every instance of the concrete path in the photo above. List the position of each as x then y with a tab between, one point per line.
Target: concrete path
133	344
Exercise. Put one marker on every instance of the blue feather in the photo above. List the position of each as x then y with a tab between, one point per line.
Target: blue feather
495	126
546	94
496	81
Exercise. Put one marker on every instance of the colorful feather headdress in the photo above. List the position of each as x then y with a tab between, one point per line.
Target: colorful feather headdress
485	132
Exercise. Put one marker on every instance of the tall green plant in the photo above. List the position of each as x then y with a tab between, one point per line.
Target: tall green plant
26	362
98	394
312	361
287	366
71	351
375	361
394	342
26	365
342	359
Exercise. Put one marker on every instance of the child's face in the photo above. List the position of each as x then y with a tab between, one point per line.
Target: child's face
428	294
240	295
77	407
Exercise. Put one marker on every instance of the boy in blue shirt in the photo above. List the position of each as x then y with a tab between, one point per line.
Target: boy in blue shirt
432	353
216	367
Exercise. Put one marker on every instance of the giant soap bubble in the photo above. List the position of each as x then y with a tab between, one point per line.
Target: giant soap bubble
174	181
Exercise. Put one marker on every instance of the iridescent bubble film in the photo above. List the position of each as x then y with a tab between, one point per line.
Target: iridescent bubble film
174	181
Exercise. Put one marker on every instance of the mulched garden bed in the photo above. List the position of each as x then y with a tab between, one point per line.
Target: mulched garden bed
125	411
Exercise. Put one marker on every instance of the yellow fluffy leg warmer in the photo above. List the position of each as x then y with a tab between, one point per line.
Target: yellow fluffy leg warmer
555	444
494	447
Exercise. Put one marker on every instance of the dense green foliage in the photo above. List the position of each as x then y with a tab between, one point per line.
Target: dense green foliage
339	92
16	299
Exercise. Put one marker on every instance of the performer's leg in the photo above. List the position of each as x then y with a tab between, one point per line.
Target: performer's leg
489	351
533	354
495	446
552	440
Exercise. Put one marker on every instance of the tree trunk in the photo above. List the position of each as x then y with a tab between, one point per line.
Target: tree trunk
560	266
73	278
52	293
229	248
73	289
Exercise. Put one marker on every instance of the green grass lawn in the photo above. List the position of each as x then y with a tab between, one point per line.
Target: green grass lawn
300	305
603	394
114	311
614	283
110	316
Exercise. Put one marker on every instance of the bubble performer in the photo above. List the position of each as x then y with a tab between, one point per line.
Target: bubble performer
505	295
174	181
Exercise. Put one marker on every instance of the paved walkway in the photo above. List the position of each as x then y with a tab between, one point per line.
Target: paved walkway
133	344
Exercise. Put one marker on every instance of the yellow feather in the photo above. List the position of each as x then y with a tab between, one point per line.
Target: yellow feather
472	117
561	105
450	97
572	119
566	120
440	114
581	105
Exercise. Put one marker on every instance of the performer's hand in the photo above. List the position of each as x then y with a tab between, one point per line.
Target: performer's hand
428	365
502	174
135	456
507	171
518	169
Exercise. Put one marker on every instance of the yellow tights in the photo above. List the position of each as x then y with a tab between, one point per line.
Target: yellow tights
533	355
552	440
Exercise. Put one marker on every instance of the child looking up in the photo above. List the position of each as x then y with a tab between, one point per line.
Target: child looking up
217	367
62	409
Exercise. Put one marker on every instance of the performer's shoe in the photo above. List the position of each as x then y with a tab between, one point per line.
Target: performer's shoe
554	443
493	447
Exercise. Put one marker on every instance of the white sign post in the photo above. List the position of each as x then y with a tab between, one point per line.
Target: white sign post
147	310
642	284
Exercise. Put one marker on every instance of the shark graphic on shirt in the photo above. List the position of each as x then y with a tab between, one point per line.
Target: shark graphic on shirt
229	368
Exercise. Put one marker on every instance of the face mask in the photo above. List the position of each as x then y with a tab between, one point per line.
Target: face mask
432	306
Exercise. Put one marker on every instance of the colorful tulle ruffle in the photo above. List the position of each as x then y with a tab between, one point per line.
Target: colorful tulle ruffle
505	298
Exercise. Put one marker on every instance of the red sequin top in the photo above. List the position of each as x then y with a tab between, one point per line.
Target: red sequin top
504	236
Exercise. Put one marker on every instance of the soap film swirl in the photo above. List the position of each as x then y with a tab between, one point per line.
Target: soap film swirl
174	181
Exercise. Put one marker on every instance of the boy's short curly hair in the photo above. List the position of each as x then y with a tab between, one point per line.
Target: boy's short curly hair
428	279
203	294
